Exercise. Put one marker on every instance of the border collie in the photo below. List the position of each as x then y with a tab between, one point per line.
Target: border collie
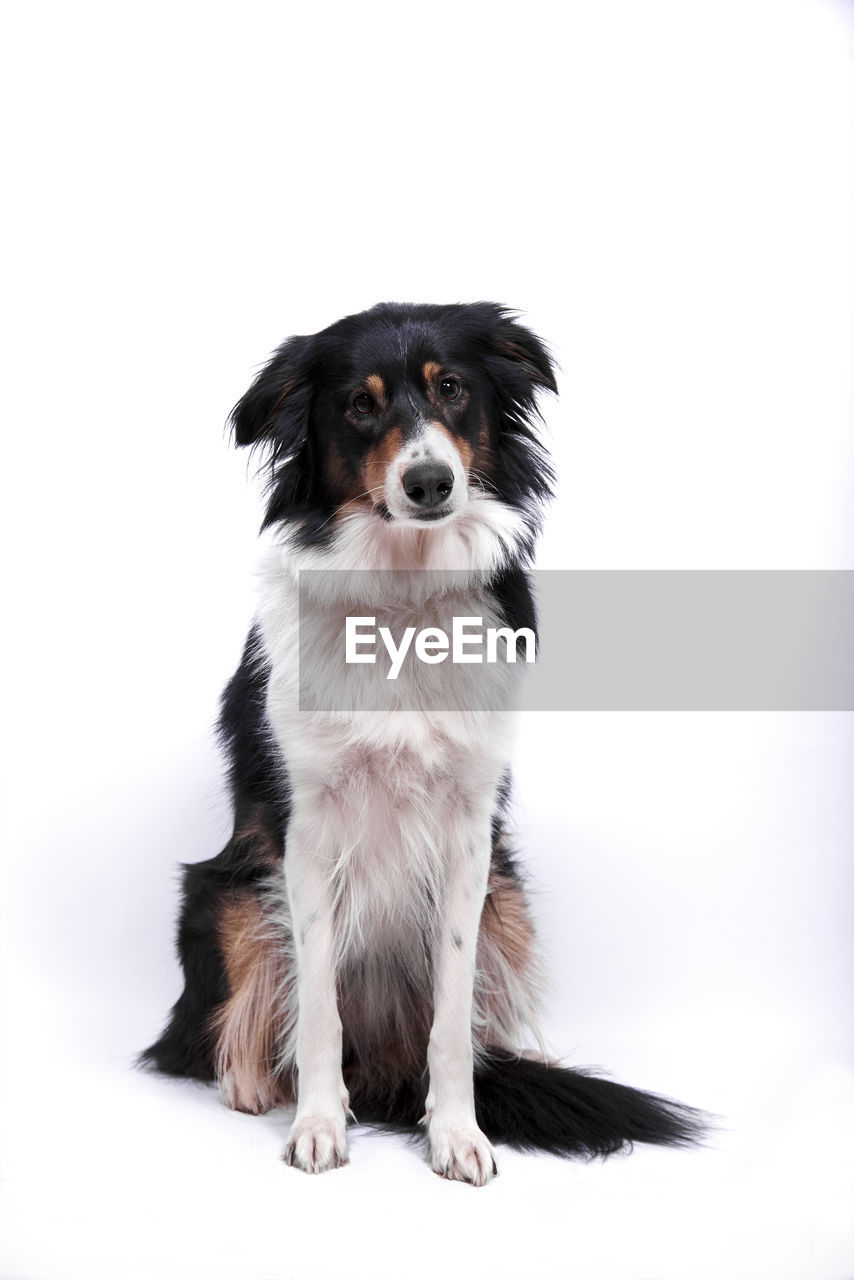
364	939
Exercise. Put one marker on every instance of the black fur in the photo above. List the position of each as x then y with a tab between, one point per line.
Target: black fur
256	771
260	800
185	1048
515	600
535	1106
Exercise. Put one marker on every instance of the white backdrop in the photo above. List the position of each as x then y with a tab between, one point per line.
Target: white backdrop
667	192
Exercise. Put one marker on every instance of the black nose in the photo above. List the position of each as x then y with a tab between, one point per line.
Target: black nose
428	483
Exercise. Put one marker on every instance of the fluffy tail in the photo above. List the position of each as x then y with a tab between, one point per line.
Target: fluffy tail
535	1106
532	1105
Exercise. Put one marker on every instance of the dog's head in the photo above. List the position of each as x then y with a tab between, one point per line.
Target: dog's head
408	413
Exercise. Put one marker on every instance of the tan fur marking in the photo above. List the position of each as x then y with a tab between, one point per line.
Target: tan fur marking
507	1000
462	447
506	920
430	371
246	1024
376	386
377	462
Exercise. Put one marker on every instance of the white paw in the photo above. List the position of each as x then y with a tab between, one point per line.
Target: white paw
461	1153
317	1143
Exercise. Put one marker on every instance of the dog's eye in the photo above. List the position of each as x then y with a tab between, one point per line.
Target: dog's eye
449	388
363	403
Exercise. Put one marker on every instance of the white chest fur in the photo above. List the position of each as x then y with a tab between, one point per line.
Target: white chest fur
386	798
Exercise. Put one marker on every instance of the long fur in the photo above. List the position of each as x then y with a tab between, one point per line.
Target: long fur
364	940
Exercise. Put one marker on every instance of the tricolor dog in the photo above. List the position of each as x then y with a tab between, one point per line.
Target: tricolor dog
363	944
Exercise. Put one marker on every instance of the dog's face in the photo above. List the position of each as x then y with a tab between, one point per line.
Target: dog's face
405	412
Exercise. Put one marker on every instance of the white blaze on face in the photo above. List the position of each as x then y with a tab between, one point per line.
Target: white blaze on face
431	444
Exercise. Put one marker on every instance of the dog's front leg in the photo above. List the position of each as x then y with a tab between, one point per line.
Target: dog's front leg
458	1149
318	1136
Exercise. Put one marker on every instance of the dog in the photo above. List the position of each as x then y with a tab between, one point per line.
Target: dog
363	945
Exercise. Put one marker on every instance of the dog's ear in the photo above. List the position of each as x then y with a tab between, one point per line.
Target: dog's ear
518	365
275	408
516	361
511	341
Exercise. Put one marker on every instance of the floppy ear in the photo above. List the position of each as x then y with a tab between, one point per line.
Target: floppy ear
513	342
518	365
516	361
275	413
275	408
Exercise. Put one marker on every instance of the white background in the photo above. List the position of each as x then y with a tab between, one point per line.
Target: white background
666	191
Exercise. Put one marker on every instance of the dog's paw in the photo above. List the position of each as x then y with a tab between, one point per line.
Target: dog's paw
255	1095
317	1143
464	1154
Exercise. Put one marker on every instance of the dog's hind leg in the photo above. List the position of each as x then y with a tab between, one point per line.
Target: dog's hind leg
250	1025
185	1047
508	980
217	952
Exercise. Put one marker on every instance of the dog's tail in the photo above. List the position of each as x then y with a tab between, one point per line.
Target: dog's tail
533	1105
537	1106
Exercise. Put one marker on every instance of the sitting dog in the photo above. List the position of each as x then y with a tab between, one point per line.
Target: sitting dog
364	941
